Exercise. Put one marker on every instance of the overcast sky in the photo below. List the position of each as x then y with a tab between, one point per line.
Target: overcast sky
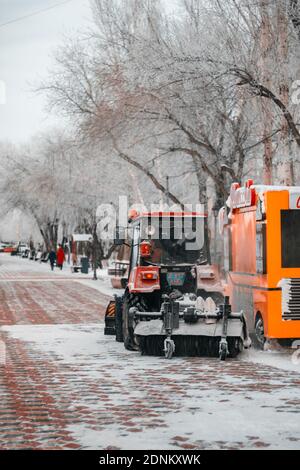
25	55
30	30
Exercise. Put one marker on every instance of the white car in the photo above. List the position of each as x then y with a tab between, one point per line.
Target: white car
22	248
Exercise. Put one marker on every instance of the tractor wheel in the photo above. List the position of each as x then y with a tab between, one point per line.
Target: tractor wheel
119	325
259	337
235	346
128	336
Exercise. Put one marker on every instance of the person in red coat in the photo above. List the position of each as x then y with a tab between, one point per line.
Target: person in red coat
60	257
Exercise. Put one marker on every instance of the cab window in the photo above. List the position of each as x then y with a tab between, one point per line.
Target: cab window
290	236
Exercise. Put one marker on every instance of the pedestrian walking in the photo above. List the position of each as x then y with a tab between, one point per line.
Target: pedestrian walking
52	258
60	257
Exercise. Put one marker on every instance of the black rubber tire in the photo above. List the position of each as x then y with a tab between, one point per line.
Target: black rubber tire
223	353
119	325
235	346
128	336
258	338
223	356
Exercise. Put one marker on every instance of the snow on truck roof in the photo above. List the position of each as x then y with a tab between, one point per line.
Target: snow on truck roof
262	188
246	196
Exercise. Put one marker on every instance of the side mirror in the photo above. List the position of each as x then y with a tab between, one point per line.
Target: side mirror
222	219
119	236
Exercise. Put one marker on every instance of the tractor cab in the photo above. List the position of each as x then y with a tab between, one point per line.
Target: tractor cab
173	302
165	250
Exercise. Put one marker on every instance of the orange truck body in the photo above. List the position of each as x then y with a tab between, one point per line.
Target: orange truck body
262	256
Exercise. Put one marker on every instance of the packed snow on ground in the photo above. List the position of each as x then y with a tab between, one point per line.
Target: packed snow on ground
281	358
206	413
285	358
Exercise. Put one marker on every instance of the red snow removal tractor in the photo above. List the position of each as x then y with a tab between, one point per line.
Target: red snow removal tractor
173	303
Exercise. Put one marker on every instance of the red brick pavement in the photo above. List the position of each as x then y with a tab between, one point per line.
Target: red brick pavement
57	301
43	397
29	416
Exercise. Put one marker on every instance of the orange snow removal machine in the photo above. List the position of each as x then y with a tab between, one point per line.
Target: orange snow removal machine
261	231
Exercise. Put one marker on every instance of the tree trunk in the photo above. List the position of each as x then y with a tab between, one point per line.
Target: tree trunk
201	181
45	237
97	252
284	167
266	42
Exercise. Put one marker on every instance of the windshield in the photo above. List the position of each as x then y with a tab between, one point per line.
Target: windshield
177	240
290	247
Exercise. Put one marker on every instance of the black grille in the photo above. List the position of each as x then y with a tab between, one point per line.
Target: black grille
291	299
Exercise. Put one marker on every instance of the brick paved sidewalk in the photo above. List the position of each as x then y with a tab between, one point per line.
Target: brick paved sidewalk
46	302
67	386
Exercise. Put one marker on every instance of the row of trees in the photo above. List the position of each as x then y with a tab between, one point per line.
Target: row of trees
206	95
208	88
57	183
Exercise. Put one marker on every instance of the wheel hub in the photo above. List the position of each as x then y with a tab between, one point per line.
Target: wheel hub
259	331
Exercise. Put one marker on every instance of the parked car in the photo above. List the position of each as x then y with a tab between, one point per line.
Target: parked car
22	248
3	245
10	249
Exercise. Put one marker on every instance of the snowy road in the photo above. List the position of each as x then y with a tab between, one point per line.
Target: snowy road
64	385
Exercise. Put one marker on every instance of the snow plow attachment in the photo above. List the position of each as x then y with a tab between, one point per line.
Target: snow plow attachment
199	329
